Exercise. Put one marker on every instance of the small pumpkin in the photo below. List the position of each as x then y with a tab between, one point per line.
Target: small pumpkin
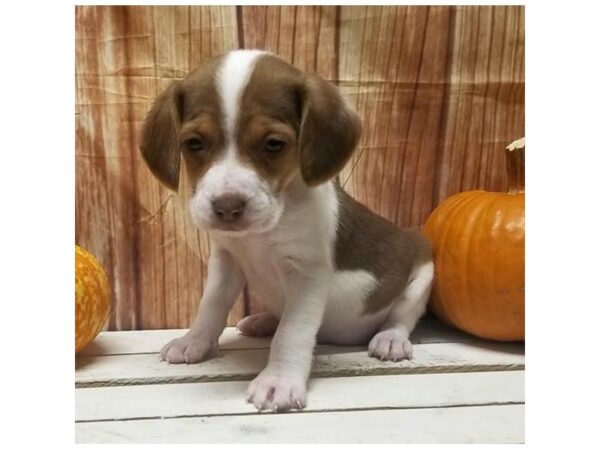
92	298
478	239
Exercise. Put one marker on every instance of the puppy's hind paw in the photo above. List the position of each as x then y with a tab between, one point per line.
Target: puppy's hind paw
390	345
258	325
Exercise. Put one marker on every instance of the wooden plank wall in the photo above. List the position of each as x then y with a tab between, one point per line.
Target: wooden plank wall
440	90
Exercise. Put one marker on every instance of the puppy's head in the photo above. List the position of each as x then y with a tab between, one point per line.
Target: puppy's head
247	125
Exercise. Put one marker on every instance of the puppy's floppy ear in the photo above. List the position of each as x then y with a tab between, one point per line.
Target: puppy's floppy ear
329	131
159	140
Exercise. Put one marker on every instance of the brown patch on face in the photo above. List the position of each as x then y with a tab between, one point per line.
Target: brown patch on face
186	109
270	110
307	112
366	241
205	129
277	168
200	91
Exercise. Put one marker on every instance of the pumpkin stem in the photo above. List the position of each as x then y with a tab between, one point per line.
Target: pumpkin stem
515	166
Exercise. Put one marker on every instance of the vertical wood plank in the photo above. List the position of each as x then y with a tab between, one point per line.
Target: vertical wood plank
393	64
486	107
161	294
302	35
104	160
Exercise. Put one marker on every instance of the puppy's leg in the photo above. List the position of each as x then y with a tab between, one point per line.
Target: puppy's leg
391	342
282	384
262	324
223	284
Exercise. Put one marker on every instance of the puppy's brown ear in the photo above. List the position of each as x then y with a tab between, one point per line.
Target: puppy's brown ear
329	131
159	140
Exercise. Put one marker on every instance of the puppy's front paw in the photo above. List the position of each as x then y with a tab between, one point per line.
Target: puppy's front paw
390	345
277	391
188	349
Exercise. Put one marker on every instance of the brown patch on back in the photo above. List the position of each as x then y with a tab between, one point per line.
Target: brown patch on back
366	241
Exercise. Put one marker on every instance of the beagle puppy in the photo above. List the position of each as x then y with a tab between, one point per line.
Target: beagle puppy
262	143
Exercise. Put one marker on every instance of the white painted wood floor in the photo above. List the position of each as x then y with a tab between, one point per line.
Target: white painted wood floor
457	389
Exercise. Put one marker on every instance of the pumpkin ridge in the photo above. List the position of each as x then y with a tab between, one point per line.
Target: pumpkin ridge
501	200
438	228
474	215
484	306
454	209
514	317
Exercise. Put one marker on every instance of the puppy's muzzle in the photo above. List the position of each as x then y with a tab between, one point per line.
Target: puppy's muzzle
229	208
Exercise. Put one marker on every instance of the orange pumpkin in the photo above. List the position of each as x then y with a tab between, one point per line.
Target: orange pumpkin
479	246
92	298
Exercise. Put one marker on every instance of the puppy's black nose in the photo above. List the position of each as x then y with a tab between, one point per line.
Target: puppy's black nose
229	207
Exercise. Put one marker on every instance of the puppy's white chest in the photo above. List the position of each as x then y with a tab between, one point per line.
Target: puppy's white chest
268	264
263	266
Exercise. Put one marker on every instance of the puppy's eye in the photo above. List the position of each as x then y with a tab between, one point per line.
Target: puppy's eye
273	145
195	144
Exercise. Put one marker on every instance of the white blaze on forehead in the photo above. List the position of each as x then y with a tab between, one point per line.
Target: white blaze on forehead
232	78
227	175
